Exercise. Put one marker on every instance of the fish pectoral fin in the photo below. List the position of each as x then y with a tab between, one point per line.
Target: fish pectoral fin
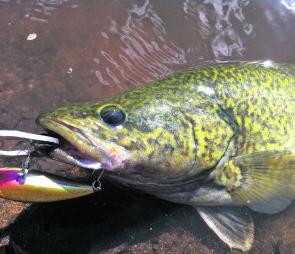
233	225
264	181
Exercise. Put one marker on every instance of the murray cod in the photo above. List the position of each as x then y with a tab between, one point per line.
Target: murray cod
217	137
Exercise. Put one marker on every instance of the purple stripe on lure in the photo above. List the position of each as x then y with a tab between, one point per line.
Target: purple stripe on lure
10	175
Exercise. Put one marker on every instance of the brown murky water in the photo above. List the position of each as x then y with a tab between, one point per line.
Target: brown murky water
54	52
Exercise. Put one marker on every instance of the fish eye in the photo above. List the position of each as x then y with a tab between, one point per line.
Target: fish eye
112	115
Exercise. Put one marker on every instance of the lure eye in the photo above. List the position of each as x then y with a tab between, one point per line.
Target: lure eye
112	115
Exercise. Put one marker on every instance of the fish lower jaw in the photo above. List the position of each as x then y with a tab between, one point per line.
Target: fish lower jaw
77	149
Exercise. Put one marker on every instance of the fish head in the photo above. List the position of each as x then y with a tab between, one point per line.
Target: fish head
144	134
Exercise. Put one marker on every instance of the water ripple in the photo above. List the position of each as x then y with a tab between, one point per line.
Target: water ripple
216	18
144	49
127	43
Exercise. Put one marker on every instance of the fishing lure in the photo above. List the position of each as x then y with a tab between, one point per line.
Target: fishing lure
24	184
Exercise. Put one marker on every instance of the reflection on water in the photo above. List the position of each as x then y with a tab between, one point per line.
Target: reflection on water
290	4
143	48
216	20
133	42
86	50
44	8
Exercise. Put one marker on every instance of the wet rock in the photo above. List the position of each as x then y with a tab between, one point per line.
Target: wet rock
237	252
155	246
281	248
4	241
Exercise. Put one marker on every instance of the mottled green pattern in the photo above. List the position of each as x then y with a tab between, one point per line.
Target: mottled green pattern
181	125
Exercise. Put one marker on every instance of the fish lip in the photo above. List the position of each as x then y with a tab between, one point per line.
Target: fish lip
79	141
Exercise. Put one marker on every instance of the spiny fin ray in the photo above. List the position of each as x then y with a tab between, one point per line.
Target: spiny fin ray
264	181
233	225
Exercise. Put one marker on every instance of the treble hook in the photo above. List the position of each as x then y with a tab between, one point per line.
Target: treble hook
26	165
34	138
96	185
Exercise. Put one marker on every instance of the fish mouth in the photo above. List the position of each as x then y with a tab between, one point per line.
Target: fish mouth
75	147
82	149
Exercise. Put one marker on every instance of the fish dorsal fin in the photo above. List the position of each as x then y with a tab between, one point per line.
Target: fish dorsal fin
264	181
233	225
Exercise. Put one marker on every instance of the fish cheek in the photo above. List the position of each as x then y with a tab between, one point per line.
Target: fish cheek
170	154
160	142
